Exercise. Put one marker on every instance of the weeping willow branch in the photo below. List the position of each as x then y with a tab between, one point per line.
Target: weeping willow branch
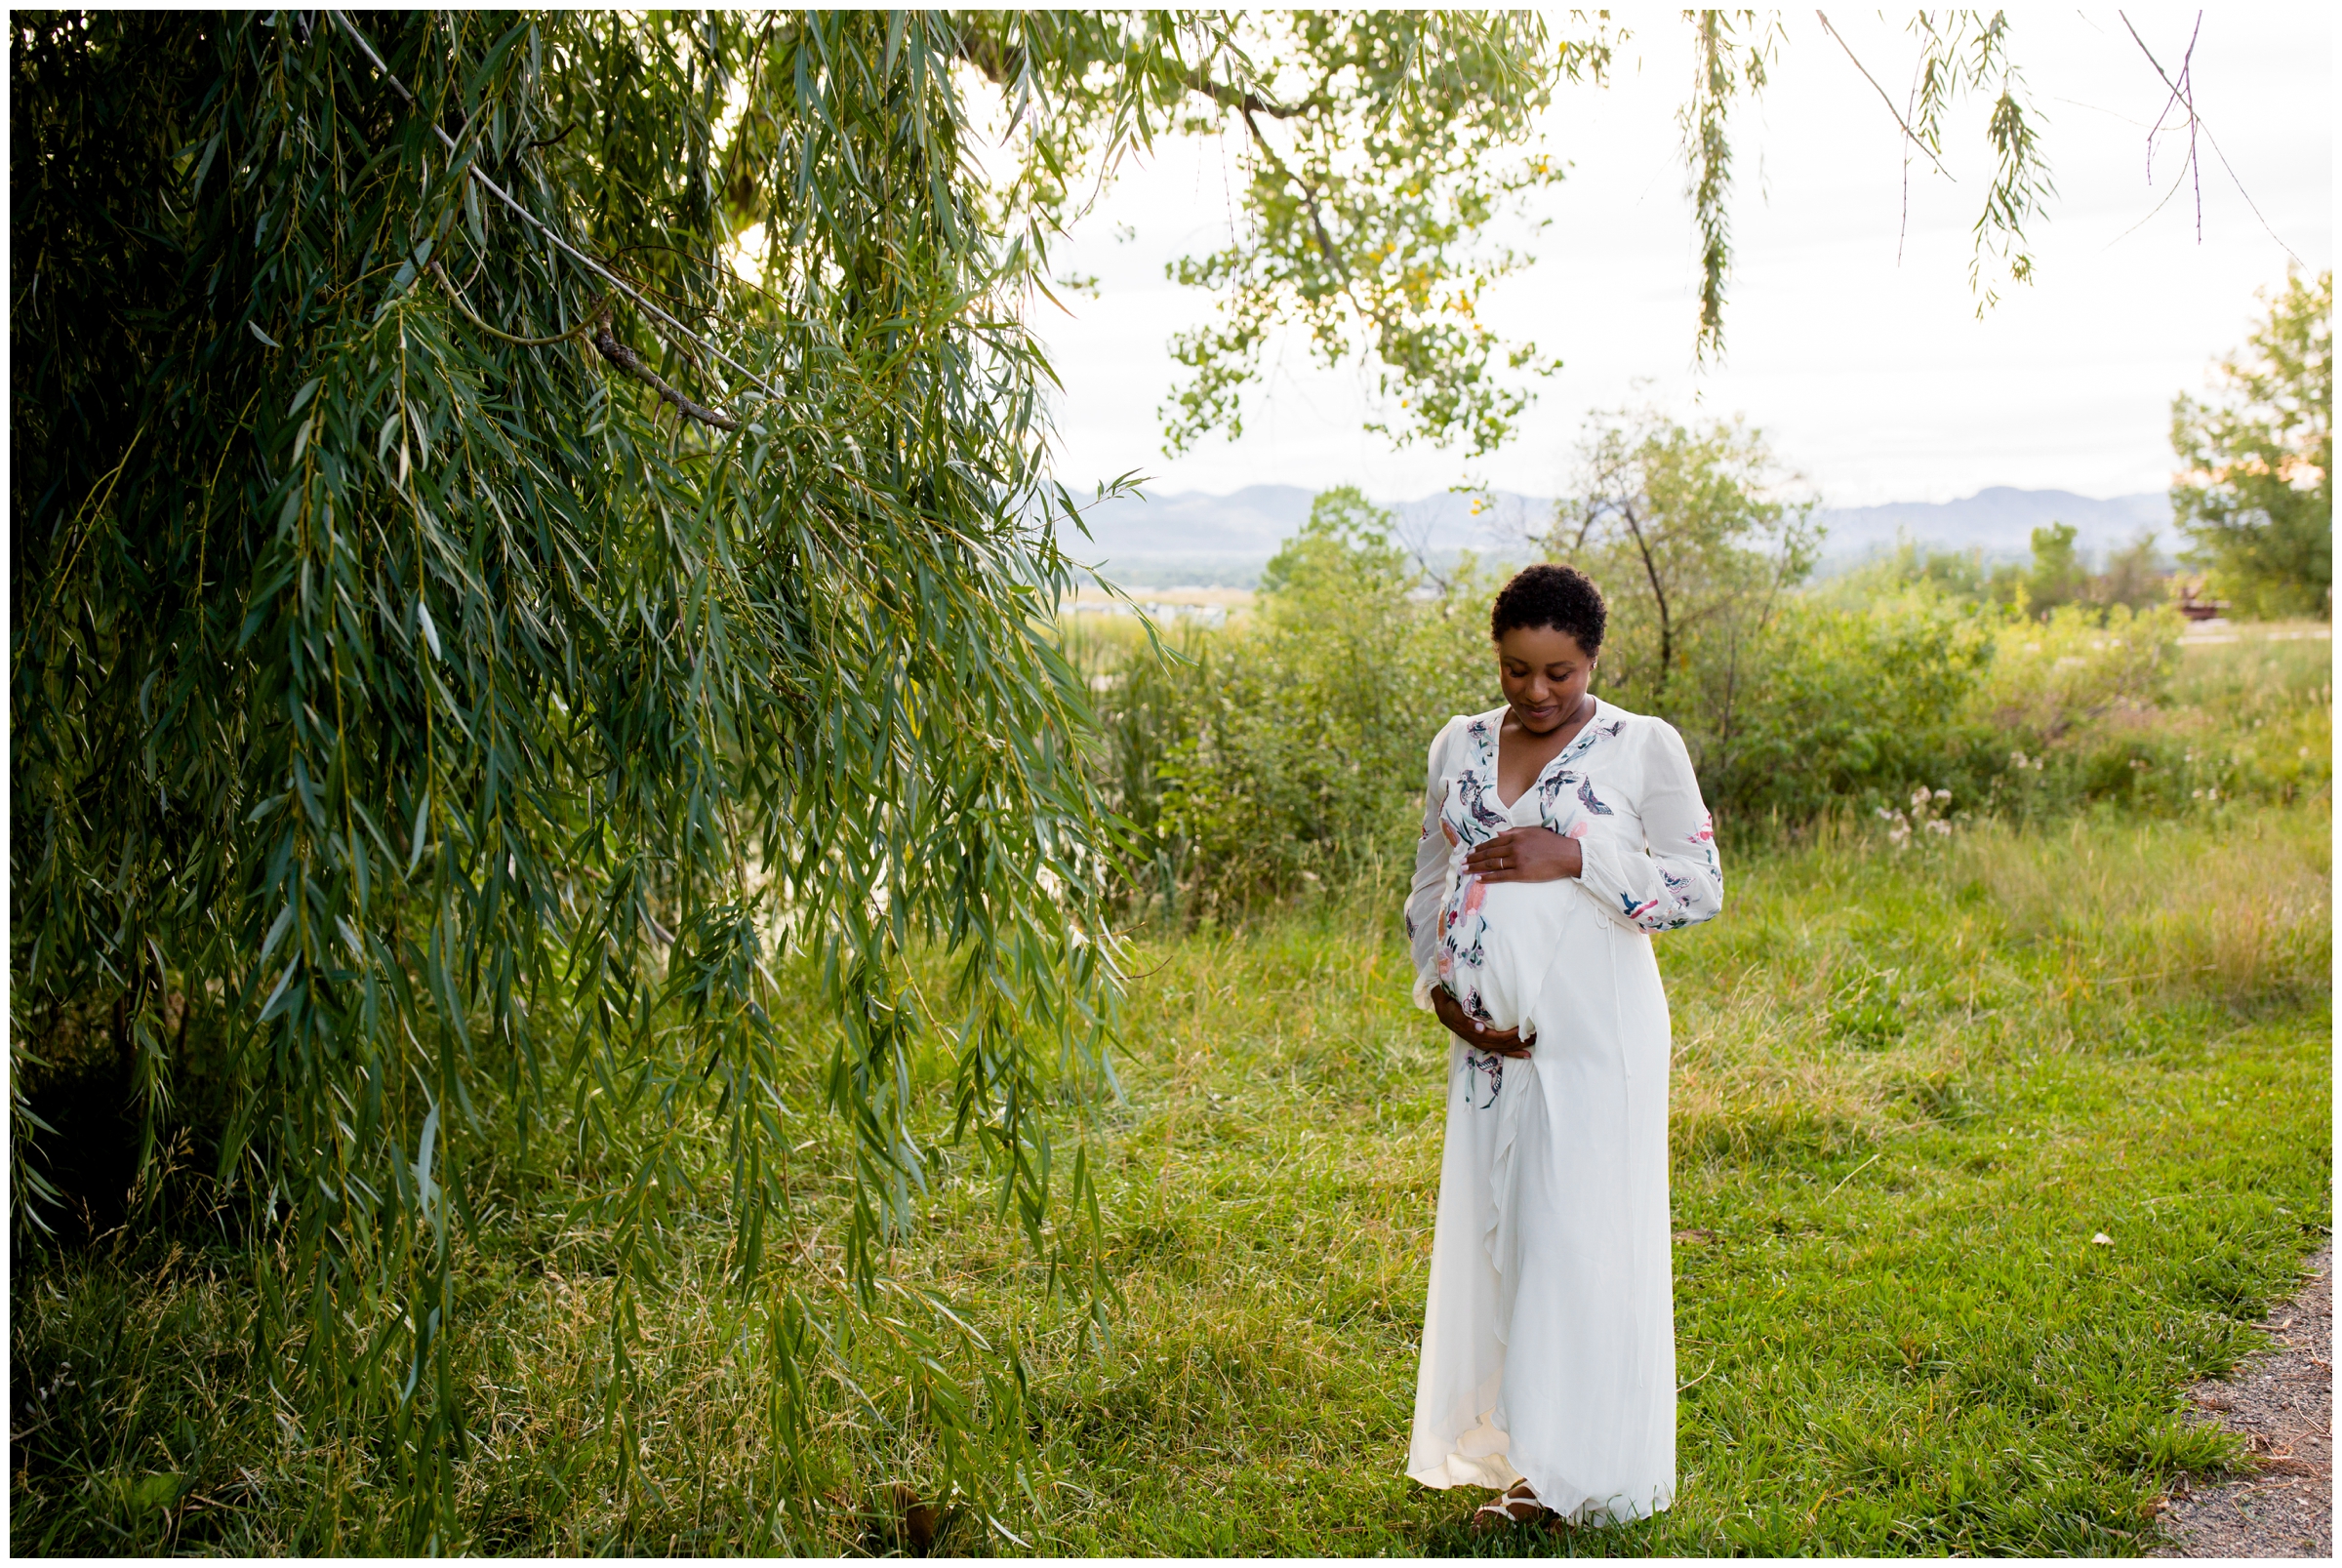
455	296
1908	134
2183	89
629	361
477	173
429	727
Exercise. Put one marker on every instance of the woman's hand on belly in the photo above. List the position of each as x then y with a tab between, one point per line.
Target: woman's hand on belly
1527	855
1463	1026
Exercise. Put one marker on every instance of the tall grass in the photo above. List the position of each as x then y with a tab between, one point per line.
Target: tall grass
1908	1087
1947	959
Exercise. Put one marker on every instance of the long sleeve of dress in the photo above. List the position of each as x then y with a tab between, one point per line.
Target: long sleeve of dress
1428	889
1676	880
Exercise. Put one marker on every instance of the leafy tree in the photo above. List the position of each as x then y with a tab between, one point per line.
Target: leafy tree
1379	147
1382	151
1289	749
2256	491
2057	574
1695	536
2137	576
464	635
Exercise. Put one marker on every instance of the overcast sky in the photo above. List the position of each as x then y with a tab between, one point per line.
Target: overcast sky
1875	378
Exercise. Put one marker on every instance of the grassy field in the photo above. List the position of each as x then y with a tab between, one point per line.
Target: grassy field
1910	1089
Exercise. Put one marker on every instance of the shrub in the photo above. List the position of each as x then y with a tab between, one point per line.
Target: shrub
1289	749
1845	706
2044	677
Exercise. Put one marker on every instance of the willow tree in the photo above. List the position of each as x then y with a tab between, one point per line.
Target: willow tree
465	634
471	630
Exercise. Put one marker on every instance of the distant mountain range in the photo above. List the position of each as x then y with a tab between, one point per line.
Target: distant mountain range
1225	538
1999	521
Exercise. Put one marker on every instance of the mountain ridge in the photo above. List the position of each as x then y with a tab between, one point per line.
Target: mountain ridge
1249	523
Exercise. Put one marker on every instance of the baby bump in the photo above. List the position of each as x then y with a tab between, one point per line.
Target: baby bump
1528	924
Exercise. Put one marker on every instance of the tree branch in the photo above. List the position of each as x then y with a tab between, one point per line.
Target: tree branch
475	170
1247	102
630	362
2196	120
472	316
1308	198
1909	133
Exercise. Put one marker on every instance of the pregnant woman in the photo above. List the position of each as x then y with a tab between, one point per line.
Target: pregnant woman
1560	832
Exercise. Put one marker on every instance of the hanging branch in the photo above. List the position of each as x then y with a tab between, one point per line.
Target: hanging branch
580	256
630	362
1908	134
2183	90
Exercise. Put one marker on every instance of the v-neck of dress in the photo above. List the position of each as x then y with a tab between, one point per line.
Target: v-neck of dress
1496	757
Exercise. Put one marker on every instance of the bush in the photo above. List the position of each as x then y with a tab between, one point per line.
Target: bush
2046	677
1288	750
1845	707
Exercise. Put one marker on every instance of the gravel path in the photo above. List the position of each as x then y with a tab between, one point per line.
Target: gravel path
2283	1403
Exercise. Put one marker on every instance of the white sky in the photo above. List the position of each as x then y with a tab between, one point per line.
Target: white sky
1874	379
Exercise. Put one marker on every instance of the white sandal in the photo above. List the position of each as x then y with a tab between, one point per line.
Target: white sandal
1489	1515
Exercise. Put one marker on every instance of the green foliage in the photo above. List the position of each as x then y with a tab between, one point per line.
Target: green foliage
1286	754
1790	704
418	729
1694	543
2046	677
1894	1332
1379	149
1396	128
2135	576
2058	576
1725	69
2257	491
1845	707
2243	721
1290	751
1382	151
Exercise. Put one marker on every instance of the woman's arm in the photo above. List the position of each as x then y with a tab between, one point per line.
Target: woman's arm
1676	880
1428	889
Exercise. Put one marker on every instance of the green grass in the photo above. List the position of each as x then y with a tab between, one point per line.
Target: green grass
1909	1089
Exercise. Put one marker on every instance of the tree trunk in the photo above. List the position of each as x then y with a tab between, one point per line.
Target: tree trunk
1666	627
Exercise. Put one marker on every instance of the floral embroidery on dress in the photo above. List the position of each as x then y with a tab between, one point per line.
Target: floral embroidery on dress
1688	902
1549	787
1489	1065
1474	796
1592	801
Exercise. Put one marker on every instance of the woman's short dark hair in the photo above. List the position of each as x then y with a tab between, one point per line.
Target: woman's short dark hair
1561	598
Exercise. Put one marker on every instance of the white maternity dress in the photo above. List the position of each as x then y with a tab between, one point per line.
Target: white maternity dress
1548	1348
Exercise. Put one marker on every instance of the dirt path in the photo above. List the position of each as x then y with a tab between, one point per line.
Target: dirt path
2283	1403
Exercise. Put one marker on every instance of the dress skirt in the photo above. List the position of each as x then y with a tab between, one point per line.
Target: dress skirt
1549	1336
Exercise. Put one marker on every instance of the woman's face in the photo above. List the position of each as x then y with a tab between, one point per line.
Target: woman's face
1545	674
